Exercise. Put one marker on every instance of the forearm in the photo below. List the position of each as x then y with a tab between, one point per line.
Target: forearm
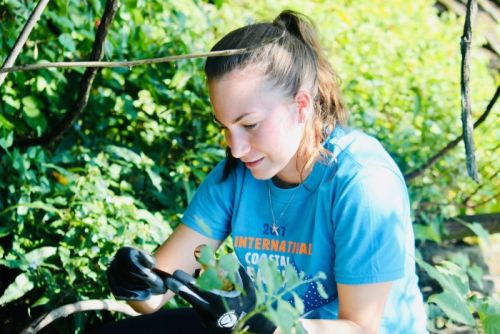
317	326
151	305
320	326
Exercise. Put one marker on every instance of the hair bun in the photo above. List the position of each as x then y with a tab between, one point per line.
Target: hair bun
289	21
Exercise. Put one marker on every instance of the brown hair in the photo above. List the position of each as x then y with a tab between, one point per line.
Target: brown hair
291	58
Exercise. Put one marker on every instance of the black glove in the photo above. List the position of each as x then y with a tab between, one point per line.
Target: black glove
220	310
130	276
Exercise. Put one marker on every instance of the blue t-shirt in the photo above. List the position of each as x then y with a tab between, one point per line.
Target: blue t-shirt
349	219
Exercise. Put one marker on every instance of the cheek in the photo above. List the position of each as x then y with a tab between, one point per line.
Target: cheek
274	139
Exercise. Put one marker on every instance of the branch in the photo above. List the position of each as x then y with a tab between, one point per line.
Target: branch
488	16
86	305
486	201
457	231
125	63
466	200
420	170
132	63
11	58
85	83
467	126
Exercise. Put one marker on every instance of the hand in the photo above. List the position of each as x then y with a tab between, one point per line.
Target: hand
130	275
220	310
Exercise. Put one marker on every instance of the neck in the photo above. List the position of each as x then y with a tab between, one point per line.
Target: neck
283	184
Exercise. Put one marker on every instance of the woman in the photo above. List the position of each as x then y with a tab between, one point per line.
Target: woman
296	187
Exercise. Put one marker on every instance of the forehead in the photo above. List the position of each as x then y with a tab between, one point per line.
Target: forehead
249	78
242	87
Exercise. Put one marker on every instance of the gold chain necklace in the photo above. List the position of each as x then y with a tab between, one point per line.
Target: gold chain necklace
275	226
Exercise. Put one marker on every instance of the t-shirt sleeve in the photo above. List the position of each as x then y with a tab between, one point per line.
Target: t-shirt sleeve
370	219
210	209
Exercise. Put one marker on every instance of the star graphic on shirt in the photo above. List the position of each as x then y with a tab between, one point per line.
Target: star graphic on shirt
274	229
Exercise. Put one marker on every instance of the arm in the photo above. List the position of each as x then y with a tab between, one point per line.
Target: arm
175	253
360	310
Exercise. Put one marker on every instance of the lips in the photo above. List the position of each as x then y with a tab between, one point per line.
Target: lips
253	164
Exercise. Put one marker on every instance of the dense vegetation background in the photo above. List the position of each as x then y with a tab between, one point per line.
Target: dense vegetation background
127	166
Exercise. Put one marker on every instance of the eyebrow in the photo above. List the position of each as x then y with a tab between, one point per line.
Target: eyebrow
237	119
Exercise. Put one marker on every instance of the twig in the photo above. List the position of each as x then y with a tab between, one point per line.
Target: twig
240	326
467	126
125	63
147	61
81	306
420	170
466	200
486	201
85	83
11	58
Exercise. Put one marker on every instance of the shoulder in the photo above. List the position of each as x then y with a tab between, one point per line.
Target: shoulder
356	154
362	175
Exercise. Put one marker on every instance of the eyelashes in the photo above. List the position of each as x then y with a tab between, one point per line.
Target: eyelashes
250	126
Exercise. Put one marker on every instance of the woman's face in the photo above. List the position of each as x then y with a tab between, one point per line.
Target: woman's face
263	127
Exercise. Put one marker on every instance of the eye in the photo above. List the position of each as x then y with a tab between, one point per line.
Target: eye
250	126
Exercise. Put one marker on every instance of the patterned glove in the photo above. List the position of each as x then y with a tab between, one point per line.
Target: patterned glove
130	275
220	310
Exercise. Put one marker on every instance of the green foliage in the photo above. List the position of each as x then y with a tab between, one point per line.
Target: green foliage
69	222
218	273
125	170
458	302
273	288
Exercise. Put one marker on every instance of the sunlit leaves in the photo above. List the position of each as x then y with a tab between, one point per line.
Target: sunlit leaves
453	306
21	285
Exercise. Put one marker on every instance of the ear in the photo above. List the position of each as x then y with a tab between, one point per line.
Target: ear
303	100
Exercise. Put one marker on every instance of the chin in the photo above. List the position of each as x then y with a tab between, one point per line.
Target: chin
262	175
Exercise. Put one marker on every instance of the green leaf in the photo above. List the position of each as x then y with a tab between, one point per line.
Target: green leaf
229	263
457	279
30	107
287	316
209	280
491	324
155	178
461	259
291	276
32	115
299	329
17	289
125	154
480	231
5	124
476	273
40	205
37	256
426	232
450	276
321	275
180	79
67	42
299	303
207	256
160	229
454	307
270	274
6	142
7	229
218	3
64	255
41	301
321	290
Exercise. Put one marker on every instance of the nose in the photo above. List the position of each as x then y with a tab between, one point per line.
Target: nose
239	145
